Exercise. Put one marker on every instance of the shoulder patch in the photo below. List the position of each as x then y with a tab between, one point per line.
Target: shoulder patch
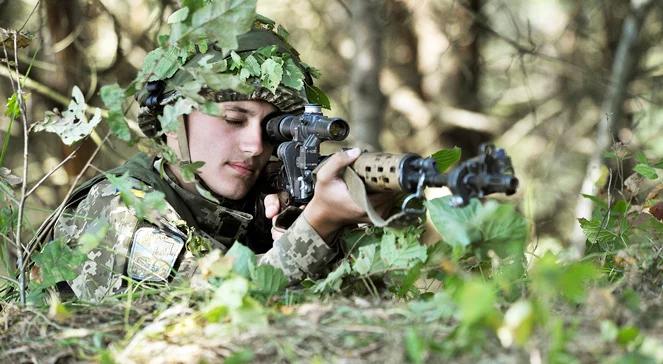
153	254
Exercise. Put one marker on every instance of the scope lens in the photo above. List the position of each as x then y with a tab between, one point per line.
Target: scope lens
338	129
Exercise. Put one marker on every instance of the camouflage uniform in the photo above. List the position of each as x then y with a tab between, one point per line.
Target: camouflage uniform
147	249
300	252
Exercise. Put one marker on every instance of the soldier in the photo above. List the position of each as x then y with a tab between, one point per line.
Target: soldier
228	201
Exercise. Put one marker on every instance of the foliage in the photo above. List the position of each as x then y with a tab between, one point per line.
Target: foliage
72	125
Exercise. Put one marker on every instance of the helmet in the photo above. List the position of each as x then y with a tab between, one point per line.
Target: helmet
251	78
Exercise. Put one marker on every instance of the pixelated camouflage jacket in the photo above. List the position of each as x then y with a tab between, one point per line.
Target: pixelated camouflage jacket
299	252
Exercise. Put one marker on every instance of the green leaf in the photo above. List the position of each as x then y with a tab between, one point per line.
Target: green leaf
234	17
627	334
494	225
445	158
145	204
240	357
476	300
161	64
658	165
334	279
244	259
641	157
317	96
252	66
596	232
235	61
112	96
269	280
646	171
118	125
58	263
271	74
293	77
178	16
72	125
189	170
400	257
551	279
13	108
365	259
169	119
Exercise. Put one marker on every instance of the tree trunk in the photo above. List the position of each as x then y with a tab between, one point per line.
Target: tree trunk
367	101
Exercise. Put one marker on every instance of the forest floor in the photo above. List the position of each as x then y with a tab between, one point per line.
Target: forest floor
349	330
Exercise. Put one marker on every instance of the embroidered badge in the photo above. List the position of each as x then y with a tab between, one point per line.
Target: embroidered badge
153	254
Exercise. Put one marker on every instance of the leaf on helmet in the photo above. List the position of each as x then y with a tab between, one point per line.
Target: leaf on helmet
161	63
252	66
171	113
72	125
293	77
317	96
233	16
271	74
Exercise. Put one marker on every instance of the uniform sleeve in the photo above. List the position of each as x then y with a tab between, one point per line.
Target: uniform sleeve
299	252
101	274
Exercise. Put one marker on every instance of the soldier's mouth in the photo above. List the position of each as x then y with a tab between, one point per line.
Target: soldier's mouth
242	169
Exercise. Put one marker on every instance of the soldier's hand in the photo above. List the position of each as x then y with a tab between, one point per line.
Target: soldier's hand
332	207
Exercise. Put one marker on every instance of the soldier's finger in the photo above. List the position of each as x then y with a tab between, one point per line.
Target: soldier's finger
272	205
335	164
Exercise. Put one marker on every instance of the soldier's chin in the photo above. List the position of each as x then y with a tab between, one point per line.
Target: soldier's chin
234	192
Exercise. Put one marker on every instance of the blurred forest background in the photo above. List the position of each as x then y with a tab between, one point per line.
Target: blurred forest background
561	84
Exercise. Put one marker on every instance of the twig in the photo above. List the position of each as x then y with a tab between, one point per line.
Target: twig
21	206
29	16
69	157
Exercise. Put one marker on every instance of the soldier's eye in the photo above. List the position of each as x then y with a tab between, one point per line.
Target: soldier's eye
234	121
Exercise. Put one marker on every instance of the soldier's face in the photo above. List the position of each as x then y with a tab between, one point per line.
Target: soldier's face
231	146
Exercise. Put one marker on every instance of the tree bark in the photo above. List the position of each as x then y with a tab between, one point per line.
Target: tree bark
367	101
63	18
623	69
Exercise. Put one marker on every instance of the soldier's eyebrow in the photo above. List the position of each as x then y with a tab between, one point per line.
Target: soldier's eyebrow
241	110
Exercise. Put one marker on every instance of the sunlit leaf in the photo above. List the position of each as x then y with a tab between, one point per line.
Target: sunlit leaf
292	75
169	119
271	74
72	125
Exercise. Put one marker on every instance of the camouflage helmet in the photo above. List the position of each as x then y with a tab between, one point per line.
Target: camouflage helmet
261	38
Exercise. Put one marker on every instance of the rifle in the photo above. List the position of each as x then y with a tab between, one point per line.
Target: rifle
298	138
